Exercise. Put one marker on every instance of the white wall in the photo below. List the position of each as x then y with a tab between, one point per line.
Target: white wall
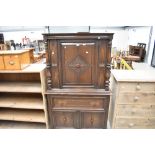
18	35
120	37
121	40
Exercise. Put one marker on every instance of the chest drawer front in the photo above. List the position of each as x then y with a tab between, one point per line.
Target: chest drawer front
136	98
79	103
136	110
93	119
12	62
64	119
135	123
1	62
137	87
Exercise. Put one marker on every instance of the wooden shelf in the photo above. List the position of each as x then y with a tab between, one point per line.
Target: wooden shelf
23	87
22	115
21	125
23	102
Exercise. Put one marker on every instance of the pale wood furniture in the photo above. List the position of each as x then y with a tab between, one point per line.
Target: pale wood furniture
22	100
78	71
14	60
133	99
31	54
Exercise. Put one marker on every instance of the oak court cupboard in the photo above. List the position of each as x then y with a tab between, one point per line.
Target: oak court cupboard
77	79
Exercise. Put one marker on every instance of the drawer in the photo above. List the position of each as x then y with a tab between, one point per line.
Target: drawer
135	123
137	87
145	110
93	119
1	62
12	62
79	103
63	119
136	98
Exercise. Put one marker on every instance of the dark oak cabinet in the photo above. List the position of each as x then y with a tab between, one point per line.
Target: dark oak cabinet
77	78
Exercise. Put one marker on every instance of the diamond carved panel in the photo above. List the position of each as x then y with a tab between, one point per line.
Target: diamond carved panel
78	65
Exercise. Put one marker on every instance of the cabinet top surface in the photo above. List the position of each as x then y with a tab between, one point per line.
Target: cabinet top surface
13	52
33	68
134	75
79	35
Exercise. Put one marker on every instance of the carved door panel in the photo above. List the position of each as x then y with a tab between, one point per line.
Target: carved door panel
93	119
78	63
64	119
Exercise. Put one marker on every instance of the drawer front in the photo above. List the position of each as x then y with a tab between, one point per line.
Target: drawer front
64	119
93	119
79	103
145	110
135	123
136	98
12	62
137	87
1	62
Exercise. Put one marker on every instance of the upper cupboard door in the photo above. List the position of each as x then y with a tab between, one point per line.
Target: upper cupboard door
78	64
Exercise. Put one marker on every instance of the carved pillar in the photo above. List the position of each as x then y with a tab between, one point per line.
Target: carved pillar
108	65
48	67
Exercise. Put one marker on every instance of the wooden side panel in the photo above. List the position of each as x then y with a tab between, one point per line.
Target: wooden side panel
25	59
53	50
92	119
1	63
64	119
104	61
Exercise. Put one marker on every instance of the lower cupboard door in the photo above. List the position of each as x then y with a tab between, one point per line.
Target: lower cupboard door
64	119
93	119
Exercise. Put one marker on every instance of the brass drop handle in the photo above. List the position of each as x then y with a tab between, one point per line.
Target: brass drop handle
138	87
11	62
136	98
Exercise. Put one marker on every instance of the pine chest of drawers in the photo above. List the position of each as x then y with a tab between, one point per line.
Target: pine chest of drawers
78	71
133	100
14	60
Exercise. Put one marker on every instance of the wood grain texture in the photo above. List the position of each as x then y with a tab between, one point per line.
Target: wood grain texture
77	77
22	115
22	98
1	63
21	125
21	101
25	87
16	60
132	104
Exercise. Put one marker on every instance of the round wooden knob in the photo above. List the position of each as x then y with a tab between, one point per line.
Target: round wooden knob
136	98
77	65
131	124
138	87
11	62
